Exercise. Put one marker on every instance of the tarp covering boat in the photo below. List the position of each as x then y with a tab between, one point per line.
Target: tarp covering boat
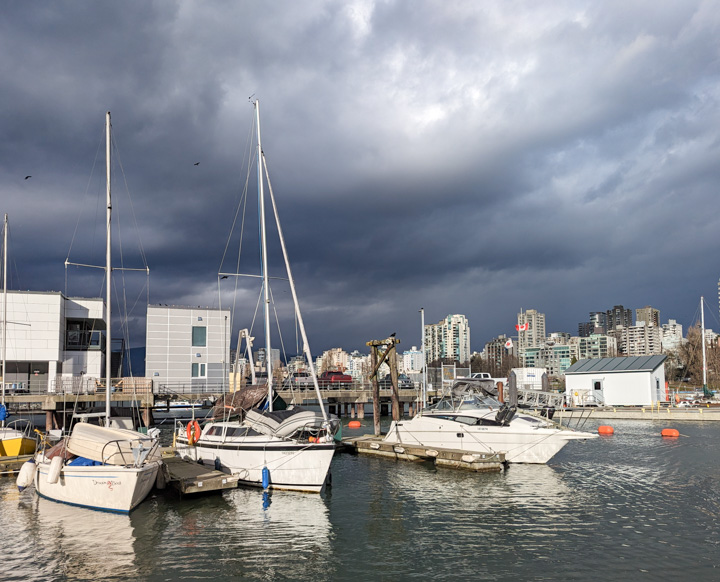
283	423
114	446
236	404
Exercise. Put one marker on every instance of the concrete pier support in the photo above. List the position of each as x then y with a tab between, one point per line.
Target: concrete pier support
361	411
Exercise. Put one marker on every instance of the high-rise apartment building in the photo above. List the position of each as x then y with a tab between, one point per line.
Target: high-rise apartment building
639	340
532	329
618	316
412	360
531	334
672	335
649	315
448	339
596	346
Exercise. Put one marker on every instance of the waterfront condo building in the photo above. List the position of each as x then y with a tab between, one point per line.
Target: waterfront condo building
53	342
448	339
187	347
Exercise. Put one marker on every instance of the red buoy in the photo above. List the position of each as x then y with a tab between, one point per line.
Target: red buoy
670	432
604	429
354	424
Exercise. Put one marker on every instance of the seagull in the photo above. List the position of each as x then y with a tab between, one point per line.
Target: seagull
26	177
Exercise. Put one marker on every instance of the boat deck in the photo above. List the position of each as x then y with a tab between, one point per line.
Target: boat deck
450	458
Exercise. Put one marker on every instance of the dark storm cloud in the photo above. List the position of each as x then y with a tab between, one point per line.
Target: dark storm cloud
461	157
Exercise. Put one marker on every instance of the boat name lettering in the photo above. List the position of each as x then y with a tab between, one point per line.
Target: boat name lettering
110	483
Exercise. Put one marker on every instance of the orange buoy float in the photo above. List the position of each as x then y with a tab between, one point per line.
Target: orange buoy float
670	432
354	424
193	432
605	429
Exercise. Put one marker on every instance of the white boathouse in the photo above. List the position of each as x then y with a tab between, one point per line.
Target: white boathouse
631	381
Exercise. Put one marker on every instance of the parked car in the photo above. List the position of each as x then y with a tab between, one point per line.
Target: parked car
334	379
301	380
404	382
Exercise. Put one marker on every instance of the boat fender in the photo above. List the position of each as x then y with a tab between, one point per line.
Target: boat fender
193	432
26	475
3	412
161	480
265	477
54	472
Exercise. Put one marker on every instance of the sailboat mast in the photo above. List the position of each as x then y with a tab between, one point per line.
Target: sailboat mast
702	324
108	277
264	265
4	321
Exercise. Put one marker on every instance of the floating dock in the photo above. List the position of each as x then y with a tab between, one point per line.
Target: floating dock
11	465
189	477
451	458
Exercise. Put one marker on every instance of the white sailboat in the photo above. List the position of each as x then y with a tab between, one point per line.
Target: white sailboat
16	438
284	449
100	467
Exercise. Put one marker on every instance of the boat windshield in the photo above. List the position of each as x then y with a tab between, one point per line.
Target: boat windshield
466	402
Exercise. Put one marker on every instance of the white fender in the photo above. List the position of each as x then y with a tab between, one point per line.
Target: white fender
26	475
54	472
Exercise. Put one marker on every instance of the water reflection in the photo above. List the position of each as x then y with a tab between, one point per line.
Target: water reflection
235	533
45	540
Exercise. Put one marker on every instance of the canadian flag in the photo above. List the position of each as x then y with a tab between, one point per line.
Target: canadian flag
509	344
522	326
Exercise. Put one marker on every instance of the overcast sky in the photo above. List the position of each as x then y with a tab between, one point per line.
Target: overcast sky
461	156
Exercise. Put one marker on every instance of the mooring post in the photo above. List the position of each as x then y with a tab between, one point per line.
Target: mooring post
375	389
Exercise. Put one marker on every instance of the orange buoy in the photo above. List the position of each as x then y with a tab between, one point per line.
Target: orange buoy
354	424
670	432
604	429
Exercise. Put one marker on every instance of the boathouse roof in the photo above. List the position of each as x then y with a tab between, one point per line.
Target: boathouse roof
609	365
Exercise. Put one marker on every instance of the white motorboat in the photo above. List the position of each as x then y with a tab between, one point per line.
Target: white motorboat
284	449
469	418
99	467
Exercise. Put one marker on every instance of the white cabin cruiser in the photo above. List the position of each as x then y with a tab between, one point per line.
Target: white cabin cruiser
294	446
471	419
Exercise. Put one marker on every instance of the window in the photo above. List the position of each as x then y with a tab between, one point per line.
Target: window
198	370
199	337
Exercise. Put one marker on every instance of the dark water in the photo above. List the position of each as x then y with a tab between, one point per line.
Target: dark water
633	506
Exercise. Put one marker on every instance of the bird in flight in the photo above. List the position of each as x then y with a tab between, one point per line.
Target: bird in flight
26	177
196	164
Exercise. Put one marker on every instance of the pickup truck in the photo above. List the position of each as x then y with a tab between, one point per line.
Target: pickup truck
334	379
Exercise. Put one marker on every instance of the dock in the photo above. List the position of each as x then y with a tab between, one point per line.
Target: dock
11	465
450	458
189	477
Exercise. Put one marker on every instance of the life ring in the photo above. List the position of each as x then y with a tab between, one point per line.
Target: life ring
193	432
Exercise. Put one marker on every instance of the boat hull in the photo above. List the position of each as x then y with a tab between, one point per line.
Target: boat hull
520	445
15	446
102	487
293	466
